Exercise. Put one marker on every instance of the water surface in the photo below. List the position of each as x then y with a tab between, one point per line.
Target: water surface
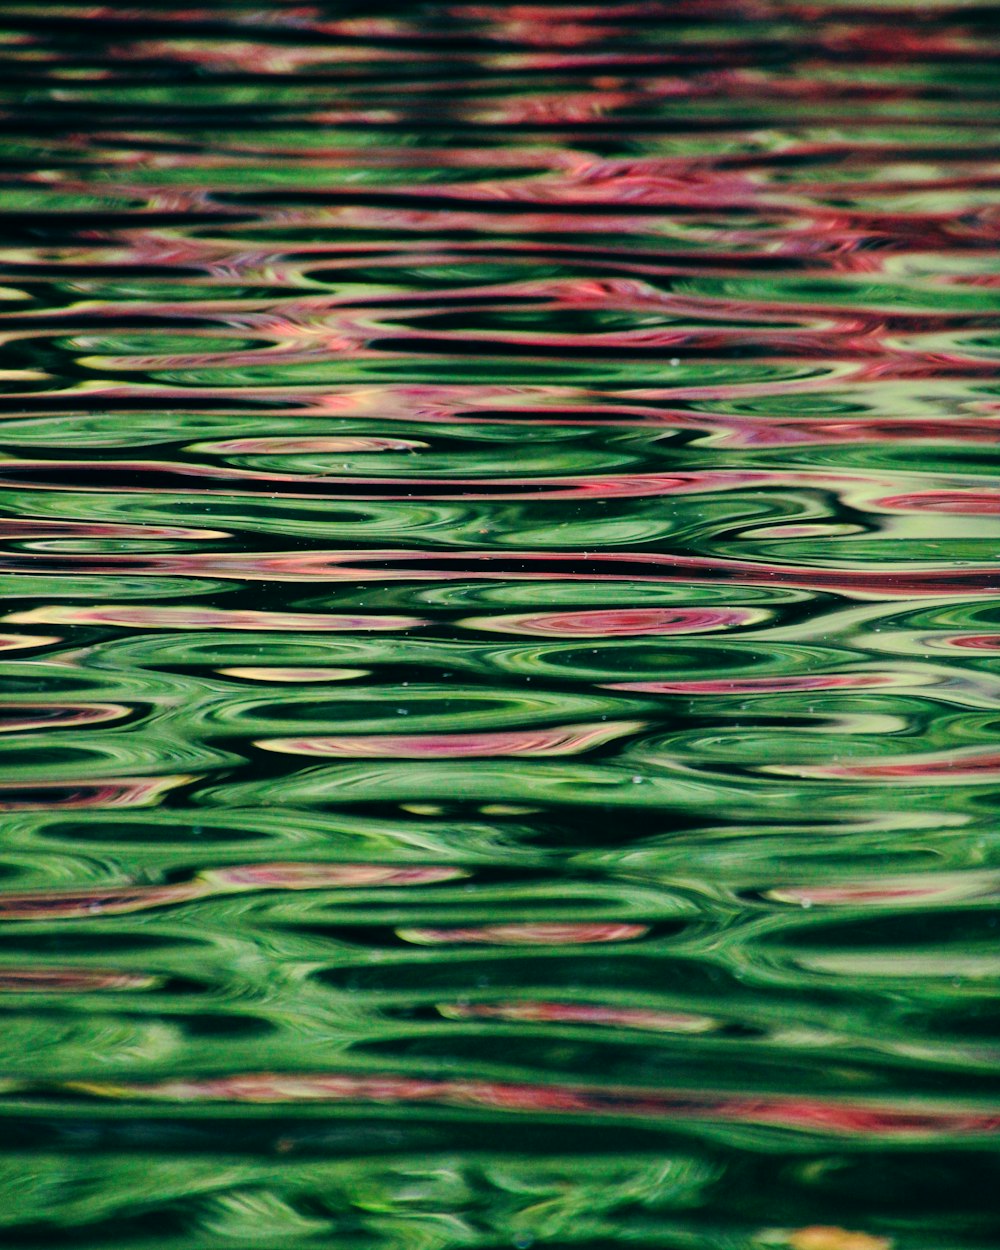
500	540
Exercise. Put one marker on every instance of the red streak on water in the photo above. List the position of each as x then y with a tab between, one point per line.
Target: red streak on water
559	740
55	980
18	717
615	622
954	766
977	503
890	892
118	900
212	618
814	1115
42	795
540	933
902	581
973	642
581	1013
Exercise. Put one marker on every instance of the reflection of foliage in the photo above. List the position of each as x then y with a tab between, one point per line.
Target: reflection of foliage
436	1203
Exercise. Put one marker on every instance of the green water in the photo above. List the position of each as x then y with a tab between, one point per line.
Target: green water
499	533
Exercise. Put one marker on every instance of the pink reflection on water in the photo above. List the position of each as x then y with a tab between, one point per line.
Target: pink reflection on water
296	446
615	622
892	891
978	503
959	767
582	1013
559	740
34	527
611	486
210	618
972	642
40	795
100	900
81	903
318	876
914	1120
541	933
901	581
17	717
54	980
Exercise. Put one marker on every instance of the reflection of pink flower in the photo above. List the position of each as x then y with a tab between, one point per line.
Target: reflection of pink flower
810	1115
559	740
95	901
615	622
931	887
225	479
402	564
198	617
297	446
747	432
972	642
17	717
100	900
541	933
251	56
582	1013
32	527
944	766
106	792
979	503
78	980
319	876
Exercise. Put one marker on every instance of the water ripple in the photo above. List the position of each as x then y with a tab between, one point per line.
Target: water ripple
499	530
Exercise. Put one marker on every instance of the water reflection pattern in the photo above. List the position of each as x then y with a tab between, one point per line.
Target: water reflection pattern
499	544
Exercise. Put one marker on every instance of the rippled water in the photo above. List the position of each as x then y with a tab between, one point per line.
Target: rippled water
500	540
